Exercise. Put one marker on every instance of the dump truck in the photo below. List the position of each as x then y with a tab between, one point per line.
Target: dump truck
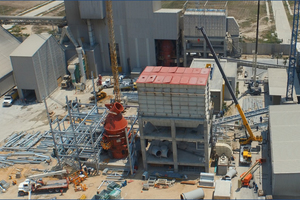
10	97
30	185
66	82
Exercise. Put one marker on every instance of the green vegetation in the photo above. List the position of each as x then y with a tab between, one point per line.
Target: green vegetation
17	31
270	36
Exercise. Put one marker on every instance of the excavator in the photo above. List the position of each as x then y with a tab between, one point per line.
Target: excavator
245	155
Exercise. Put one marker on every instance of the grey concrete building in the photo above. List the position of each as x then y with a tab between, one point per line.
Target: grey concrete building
145	33
222	31
284	143
8	43
219	92
140	27
39	65
173	117
277	84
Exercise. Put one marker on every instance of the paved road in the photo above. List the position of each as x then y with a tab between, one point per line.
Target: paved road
283	29
43	8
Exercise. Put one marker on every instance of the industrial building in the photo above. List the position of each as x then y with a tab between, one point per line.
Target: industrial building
8	43
217	88
173	117
277	86
284	144
38	65
146	34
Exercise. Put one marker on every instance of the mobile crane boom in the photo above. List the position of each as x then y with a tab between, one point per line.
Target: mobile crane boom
237	105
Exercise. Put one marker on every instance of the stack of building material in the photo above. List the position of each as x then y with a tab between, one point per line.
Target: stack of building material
22	141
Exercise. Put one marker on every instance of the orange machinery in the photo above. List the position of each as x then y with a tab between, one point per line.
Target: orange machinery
246	177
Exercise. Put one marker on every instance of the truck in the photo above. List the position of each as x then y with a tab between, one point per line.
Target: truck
10	97
30	185
66	82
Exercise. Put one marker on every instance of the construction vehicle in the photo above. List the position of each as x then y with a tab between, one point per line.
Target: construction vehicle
66	82
10	97
128	85
107	83
99	95
245	154
34	183
30	185
246	177
251	137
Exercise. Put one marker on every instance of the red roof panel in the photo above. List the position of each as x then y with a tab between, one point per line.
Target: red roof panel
193	81
150	79
174	75
156	69
167	79
188	70
180	70
148	69
159	79
184	80
176	80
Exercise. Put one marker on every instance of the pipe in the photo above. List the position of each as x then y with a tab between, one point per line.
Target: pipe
72	69
90	32
82	71
230	174
195	194
164	151
155	150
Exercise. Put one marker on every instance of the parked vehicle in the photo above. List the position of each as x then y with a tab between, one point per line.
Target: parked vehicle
10	97
41	186
66	82
107	83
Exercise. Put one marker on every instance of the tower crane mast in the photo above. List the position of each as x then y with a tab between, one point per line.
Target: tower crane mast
293	53
112	49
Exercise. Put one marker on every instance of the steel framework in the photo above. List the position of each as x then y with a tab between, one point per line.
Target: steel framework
293	53
78	135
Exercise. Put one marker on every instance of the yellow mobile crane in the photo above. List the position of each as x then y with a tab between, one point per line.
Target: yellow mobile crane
251	137
112	49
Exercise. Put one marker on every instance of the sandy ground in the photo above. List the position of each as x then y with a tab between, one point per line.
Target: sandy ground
16	7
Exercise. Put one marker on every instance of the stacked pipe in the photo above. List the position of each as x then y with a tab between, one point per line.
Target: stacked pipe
159	151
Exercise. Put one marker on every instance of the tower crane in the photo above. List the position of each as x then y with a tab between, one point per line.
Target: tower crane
112	49
293	53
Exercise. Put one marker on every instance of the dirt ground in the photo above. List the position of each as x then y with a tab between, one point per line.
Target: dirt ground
16	7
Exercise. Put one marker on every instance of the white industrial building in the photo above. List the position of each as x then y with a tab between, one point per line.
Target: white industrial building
8	43
277	84
146	34
284	143
218	91
38	65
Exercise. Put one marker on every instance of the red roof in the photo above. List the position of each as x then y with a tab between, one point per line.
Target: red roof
174	75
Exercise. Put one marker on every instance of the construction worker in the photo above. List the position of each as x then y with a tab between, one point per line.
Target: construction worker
260	119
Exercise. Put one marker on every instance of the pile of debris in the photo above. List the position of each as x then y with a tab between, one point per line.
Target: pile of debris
113	191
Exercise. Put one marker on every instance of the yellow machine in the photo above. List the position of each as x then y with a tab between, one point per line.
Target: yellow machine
251	137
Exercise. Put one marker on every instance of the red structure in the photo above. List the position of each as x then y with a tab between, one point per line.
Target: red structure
114	139
167	52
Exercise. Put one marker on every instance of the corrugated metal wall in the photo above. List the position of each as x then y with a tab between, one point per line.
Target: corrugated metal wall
215	25
92	9
166	26
232	27
49	65
166	100
6	83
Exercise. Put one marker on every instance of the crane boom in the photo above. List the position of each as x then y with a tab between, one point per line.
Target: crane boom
293	53
237	105
112	49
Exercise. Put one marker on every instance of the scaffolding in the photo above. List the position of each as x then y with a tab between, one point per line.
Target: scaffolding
78	135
